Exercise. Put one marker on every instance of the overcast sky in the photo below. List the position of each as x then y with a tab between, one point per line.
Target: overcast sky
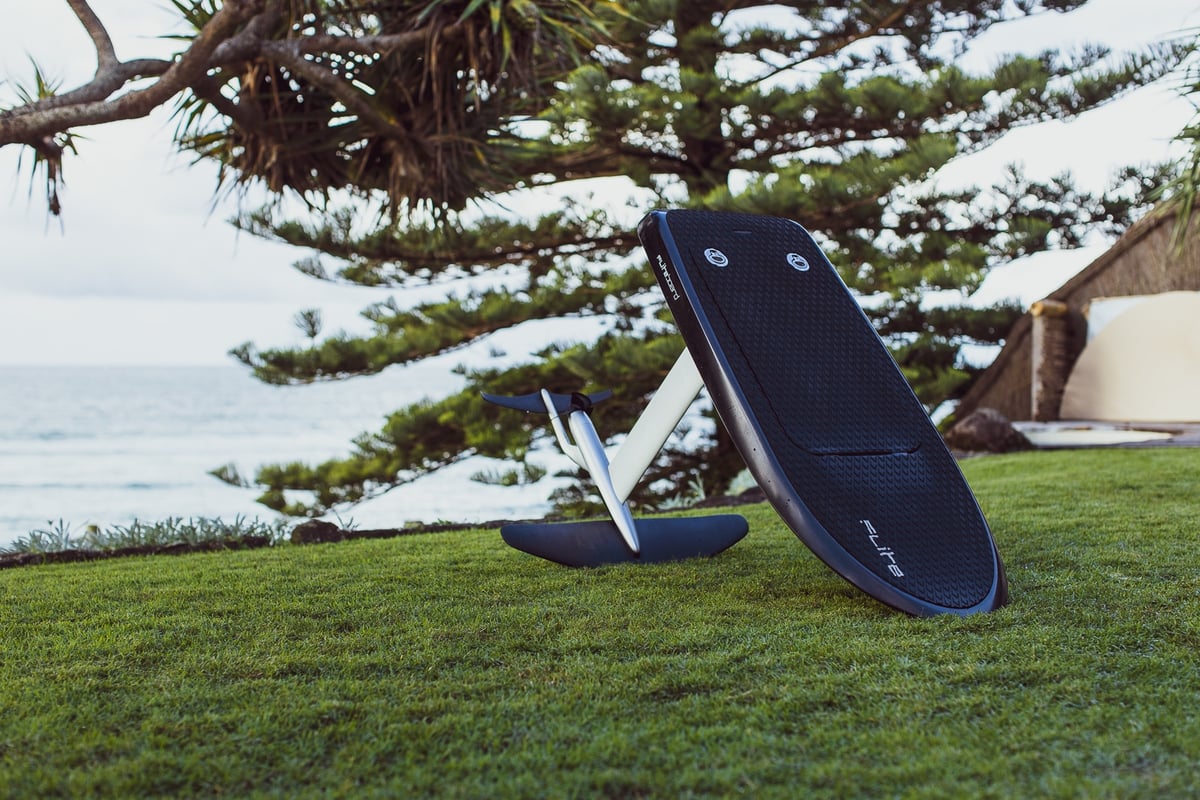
143	269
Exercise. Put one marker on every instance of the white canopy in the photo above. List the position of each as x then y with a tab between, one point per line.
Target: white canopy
1142	364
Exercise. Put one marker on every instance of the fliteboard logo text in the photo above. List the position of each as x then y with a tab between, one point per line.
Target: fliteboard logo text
885	552
666	273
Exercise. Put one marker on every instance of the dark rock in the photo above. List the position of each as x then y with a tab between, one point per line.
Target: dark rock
316	530
986	430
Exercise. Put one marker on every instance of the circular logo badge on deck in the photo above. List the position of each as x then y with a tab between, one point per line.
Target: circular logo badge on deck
798	261
716	257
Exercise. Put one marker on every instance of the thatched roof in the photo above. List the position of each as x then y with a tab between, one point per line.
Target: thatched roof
1143	261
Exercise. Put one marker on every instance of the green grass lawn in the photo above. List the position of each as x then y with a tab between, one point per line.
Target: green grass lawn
451	665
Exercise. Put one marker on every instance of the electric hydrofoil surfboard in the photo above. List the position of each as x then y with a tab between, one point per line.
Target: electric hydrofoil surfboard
818	409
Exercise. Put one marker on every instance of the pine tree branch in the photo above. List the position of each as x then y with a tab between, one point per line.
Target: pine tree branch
395	255
404	264
315	113
103	85
434	328
351	97
424	437
219	45
106	54
603	160
829	45
254	42
34	123
208	89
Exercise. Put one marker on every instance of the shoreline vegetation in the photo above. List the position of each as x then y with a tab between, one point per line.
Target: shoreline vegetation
178	536
57	544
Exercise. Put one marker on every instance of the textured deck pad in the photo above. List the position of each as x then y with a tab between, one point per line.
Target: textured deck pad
820	412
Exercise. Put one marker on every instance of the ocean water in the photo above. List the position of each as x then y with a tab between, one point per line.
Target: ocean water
108	445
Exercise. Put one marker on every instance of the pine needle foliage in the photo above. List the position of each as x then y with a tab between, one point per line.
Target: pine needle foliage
1181	188
835	117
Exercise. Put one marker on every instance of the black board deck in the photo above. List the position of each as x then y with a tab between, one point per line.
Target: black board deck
820	412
